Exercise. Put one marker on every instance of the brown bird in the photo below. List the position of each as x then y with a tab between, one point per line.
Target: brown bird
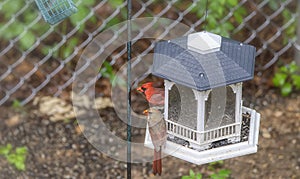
155	96
158	133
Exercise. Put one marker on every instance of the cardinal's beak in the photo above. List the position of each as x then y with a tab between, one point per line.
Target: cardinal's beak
146	112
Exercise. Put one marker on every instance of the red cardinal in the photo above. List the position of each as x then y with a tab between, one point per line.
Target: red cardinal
156	122
158	133
155	96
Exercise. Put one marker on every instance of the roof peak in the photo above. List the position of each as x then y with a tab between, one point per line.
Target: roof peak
204	42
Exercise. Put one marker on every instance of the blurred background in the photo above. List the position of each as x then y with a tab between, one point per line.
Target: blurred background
39	135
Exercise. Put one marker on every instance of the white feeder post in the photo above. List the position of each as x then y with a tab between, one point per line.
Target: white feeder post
201	97
237	88
168	86
239	101
200	119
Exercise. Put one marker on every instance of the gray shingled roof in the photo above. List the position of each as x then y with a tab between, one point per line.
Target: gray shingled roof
232	64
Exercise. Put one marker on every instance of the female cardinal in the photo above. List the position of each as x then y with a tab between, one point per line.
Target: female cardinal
155	96
158	133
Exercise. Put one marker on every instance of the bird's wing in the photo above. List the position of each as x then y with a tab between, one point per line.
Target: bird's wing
157	99
158	134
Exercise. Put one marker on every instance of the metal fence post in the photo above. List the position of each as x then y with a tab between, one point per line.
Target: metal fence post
297	43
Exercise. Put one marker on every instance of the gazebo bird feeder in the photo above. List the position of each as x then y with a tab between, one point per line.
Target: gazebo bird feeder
203	74
54	11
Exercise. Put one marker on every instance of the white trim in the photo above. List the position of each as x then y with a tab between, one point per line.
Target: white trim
220	153
234	88
201	112
238	105
168	84
207	156
196	94
206	94
166	109
237	89
200	97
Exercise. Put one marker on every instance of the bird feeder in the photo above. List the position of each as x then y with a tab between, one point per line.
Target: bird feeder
205	119
54	11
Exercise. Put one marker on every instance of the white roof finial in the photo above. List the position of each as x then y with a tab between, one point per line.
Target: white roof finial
204	42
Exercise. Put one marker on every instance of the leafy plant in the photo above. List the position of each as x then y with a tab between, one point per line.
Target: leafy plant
217	11
287	78
222	174
216	164
19	27
119	18
290	31
217	174
192	175
115	3
16	104
17	24
16	158
107	72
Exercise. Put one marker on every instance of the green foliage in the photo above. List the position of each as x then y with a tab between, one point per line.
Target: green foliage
107	72
5	150
217	174
26	33
216	164
17	104
217	11
192	175
287	79
67	120
115	3
222	174
83	11
290	31
16	158
18	28
117	19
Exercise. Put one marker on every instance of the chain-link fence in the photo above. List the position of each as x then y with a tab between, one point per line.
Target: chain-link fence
35	56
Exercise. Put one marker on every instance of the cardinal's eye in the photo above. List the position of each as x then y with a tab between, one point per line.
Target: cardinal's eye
144	89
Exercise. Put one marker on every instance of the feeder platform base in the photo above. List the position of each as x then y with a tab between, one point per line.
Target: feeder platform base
214	154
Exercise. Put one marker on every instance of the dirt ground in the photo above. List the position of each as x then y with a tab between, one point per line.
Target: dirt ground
59	150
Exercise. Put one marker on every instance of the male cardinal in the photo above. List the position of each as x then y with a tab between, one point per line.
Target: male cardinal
158	133
155	96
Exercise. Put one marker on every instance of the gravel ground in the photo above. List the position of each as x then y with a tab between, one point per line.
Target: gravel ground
59	149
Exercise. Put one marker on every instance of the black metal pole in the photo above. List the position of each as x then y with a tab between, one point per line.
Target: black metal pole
297	43
129	6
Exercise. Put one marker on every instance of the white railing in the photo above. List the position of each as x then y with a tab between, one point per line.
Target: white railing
205	137
181	131
220	133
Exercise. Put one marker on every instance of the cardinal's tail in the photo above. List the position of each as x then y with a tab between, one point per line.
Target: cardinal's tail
154	164
157	165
